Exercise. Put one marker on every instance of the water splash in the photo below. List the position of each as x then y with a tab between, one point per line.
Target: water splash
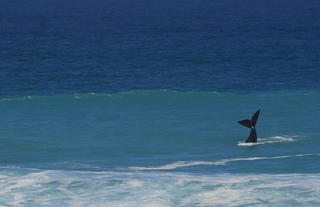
270	140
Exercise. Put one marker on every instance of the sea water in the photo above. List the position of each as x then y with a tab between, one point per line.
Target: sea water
136	103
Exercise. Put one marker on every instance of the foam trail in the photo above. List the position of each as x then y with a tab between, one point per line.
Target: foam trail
220	162
273	139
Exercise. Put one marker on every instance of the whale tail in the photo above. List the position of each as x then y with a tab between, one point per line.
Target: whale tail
251	124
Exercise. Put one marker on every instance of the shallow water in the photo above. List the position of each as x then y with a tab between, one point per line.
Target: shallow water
159	148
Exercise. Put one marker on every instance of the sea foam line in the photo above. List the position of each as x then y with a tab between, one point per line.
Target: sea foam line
273	139
220	162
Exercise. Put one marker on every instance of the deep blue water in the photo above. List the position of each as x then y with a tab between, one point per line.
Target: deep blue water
136	103
52	47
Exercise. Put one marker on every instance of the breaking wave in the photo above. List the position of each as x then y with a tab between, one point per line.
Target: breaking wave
25	187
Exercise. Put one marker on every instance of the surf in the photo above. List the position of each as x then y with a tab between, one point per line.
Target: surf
36	187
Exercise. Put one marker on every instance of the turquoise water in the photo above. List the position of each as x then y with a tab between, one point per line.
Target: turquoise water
159	148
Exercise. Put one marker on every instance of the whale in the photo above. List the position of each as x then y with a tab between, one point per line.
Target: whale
251	123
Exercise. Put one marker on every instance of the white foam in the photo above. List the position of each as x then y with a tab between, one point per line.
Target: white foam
134	183
173	165
180	164
16	98
270	140
151	189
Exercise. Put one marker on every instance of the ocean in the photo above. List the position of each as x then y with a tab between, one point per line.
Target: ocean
135	103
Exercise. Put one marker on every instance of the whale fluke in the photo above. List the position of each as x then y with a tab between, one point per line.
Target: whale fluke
251	124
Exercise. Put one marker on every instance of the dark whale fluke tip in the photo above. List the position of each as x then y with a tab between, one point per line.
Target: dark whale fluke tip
251	124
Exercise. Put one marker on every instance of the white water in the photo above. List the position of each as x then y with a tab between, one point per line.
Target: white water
142	189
